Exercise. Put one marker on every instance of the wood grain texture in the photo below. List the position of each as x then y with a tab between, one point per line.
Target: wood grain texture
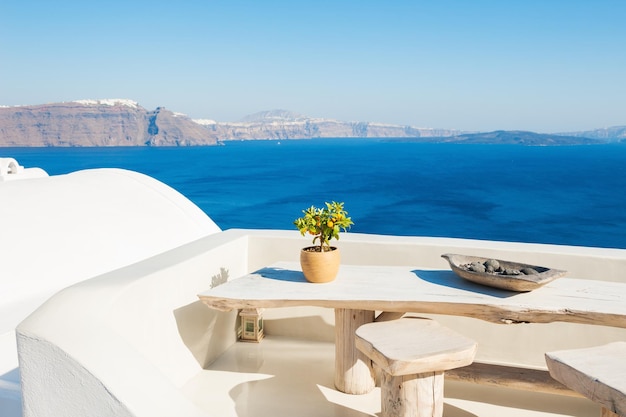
598	373
412	354
413	346
353	369
406	289
515	377
412	395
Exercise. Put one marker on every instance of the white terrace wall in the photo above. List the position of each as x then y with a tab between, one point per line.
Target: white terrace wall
267	246
124	343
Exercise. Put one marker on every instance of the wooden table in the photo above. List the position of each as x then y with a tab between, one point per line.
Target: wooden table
358	291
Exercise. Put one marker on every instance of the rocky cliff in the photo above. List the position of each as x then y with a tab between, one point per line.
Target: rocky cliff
97	123
125	123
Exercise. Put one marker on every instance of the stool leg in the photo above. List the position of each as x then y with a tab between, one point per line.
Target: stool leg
418	395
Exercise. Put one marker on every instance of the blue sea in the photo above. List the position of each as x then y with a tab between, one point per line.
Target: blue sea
571	195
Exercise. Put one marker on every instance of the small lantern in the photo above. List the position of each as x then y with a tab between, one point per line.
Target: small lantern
251	324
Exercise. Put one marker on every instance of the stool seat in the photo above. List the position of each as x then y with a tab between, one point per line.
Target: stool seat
414	345
598	373
413	354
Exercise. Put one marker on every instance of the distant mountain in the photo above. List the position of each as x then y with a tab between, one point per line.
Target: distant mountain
125	123
277	115
520	137
283	124
611	134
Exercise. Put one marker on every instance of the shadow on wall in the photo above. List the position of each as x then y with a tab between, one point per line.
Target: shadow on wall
206	333
220	278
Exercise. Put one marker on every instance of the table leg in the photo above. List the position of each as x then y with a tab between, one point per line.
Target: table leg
353	370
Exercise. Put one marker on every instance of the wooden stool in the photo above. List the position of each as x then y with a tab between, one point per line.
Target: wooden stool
413	354
598	373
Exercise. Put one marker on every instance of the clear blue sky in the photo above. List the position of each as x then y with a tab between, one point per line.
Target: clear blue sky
541	65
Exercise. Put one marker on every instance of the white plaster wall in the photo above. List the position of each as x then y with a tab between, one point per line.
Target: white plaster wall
363	249
59	230
160	315
126	341
137	334
62	229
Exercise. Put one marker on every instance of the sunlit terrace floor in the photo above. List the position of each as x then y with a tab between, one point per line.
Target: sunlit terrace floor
287	377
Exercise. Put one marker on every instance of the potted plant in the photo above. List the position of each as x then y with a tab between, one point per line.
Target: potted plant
320	262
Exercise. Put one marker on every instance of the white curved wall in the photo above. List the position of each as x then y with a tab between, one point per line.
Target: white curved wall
59	230
63	229
125	342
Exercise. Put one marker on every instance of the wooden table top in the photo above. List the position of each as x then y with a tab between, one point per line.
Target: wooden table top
407	289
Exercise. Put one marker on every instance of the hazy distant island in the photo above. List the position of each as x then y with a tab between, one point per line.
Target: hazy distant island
520	137
125	123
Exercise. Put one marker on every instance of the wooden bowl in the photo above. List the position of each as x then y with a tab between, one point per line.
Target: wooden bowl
521	282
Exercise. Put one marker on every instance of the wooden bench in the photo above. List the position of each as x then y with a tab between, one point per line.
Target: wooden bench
413	354
598	373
